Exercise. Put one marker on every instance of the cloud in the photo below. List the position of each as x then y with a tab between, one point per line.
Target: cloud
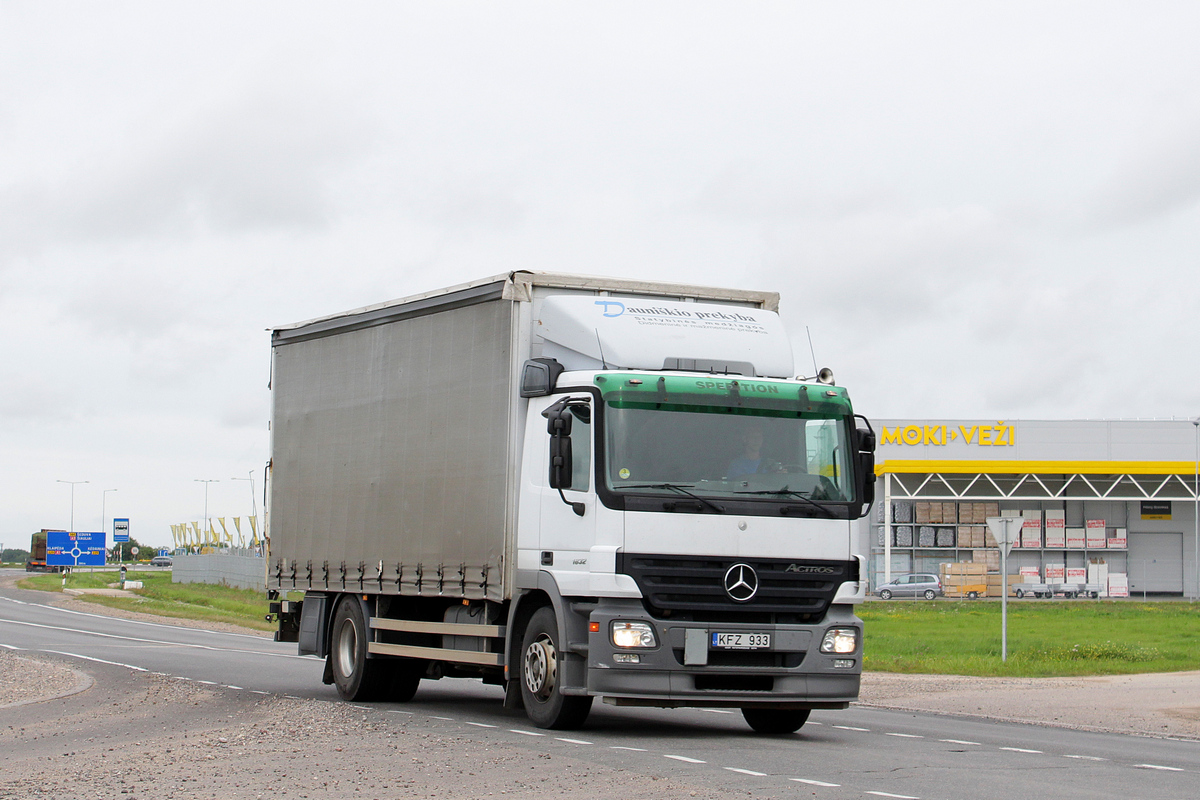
250	163
1163	178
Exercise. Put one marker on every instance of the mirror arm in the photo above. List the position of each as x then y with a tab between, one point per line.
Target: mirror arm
578	508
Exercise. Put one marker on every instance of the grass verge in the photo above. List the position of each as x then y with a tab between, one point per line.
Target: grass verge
1061	638
197	601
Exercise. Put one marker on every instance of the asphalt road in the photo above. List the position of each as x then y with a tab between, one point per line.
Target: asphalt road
859	752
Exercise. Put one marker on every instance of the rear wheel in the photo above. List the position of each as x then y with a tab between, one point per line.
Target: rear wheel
885	594
930	594
1019	593
973	595
541	685
356	676
775	720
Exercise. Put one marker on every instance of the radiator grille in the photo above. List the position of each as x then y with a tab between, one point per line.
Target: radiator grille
689	587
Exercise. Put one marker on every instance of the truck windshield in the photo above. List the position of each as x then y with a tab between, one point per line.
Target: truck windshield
724	437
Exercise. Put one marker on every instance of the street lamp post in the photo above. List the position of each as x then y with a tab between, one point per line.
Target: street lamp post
72	483
253	507
206	483
103	516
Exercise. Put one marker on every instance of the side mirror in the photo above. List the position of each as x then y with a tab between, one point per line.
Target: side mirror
558	425
865	450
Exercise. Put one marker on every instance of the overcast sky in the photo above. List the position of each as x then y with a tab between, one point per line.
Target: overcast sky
979	210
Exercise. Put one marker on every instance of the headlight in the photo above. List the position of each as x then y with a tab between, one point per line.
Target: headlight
633	634
840	640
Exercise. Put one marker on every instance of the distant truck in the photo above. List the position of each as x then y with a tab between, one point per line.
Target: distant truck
573	488
37	553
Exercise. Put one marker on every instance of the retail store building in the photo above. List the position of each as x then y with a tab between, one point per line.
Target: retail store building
1099	498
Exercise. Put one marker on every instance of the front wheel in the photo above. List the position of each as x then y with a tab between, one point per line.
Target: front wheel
775	720
1019	593
973	595
930	594
541	684
885	595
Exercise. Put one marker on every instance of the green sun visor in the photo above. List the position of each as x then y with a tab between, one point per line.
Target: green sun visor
723	393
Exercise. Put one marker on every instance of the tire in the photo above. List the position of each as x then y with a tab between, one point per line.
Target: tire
775	720
885	594
403	678
973	595
1019	593
930	594
357	678
545	704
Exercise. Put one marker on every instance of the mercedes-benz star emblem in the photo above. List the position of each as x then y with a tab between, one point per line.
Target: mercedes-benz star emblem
741	582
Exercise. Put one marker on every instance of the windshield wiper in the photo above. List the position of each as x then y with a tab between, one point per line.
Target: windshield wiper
679	488
793	493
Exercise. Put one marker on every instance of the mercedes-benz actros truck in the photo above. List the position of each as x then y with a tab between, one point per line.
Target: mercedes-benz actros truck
573	488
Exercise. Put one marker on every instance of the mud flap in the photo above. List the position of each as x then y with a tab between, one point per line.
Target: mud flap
327	675
512	696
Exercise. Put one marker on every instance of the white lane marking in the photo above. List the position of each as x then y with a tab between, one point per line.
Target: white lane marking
207	683
393	711
154	641
97	660
481	725
747	772
239	688
137	622
1087	758
18	602
445	719
889	794
634	749
816	723
259	691
905	735
361	708
1019	750
571	741
716	710
959	741
851	728
525	733
685	758
9	647
1157	766
814	783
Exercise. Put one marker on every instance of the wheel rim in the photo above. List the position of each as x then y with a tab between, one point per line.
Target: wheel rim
885	595
541	667
347	648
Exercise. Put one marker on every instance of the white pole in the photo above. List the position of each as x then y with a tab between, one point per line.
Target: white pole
1196	509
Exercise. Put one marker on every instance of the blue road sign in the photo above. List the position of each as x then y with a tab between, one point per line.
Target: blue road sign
79	549
121	530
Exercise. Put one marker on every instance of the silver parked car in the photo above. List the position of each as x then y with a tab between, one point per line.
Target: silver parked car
919	584
161	561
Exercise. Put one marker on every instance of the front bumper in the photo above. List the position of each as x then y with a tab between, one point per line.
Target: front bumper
683	670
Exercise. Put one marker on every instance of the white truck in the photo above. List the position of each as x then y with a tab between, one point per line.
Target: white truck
573	488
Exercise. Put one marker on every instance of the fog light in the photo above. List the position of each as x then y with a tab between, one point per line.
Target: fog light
627	658
843	663
840	641
633	634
